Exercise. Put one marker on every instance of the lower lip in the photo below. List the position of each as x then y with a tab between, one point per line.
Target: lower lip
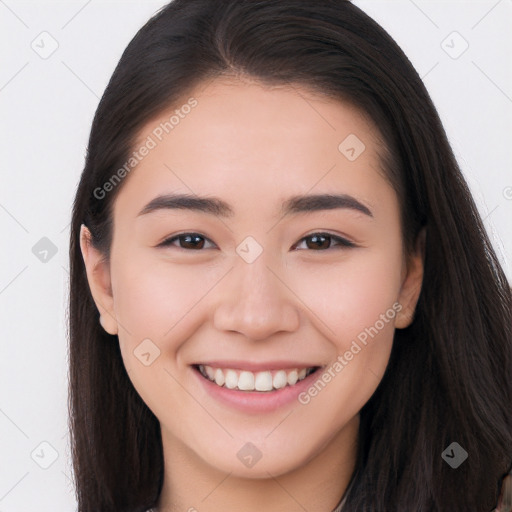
256	401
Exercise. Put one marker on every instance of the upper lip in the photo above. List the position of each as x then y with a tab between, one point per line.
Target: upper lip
255	366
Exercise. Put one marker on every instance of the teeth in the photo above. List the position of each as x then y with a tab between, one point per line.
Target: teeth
210	372
263	381
250	381
280	379
246	381
231	379
219	377
293	377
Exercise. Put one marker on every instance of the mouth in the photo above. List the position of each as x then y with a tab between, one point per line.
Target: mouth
266	381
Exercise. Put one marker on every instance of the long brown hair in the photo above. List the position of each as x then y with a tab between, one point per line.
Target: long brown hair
448	379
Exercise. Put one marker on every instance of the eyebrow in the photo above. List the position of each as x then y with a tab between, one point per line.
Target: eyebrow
219	208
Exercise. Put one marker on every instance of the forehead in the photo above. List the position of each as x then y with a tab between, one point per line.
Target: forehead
255	144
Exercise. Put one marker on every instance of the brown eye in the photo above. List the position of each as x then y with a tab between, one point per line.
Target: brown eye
322	241
315	241
190	241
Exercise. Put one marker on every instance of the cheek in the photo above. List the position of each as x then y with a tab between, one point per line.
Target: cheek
156	301
355	303
351	295
356	310
151	296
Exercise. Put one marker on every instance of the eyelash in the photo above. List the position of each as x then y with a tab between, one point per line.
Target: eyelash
342	242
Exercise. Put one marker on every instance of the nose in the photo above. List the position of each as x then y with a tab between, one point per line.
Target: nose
256	301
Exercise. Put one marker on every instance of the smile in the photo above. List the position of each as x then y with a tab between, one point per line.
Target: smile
264	381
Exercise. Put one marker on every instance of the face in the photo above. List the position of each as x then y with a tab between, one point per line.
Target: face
260	323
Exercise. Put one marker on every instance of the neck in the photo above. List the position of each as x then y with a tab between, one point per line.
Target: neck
192	485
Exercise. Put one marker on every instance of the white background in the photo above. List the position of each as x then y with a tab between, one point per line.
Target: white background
47	106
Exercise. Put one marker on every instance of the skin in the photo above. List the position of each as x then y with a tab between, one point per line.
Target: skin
253	147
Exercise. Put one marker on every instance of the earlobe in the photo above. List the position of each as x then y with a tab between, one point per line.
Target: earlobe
411	287
98	276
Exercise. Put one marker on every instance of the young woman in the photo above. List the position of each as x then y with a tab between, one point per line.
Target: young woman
283	297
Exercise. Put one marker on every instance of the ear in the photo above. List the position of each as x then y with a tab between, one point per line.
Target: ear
98	276
411	285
